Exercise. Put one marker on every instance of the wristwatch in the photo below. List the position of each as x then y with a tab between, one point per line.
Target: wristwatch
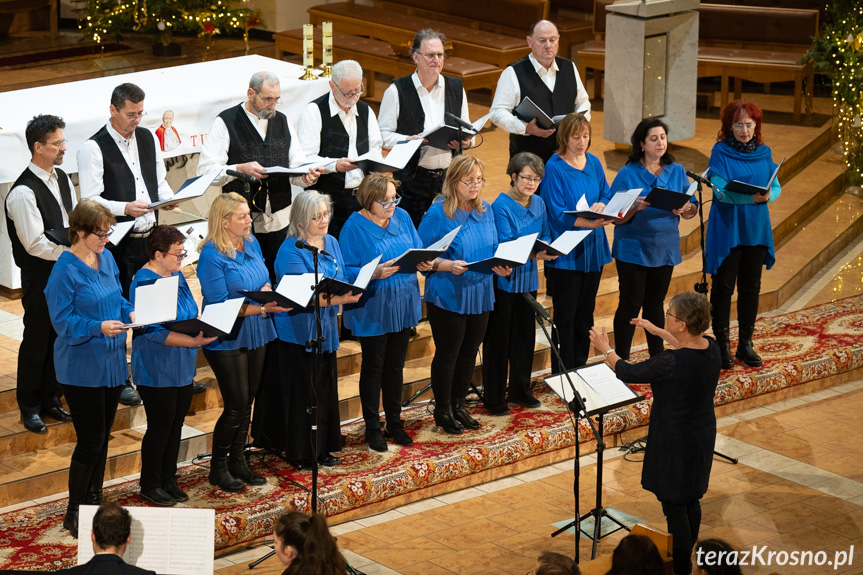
264	312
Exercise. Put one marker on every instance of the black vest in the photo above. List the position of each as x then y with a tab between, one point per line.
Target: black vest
52	219
117	177
247	146
561	101
335	141
412	118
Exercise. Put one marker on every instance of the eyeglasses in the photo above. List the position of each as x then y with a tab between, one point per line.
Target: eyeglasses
529	180
179	255
433	56
269	101
103	237
58	143
355	94
135	115
669	314
390	203
742	126
324	216
473	183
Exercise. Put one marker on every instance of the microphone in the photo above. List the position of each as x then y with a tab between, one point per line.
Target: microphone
466	125
301	244
699	178
242	176
538	309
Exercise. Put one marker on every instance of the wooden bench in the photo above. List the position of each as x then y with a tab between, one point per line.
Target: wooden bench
399	29
727	49
376	56
9	8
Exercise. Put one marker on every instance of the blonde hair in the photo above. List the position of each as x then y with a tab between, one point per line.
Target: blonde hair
373	189
222	207
461	167
304	208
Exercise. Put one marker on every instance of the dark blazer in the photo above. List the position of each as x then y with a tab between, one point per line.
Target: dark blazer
107	564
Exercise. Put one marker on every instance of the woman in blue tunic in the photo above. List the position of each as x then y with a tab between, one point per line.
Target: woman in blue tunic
458	301
573	173
646	246
163	366
509	340
310	220
231	261
89	313
739	239
390	306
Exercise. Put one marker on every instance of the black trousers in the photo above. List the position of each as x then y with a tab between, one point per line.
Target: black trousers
419	192
382	372
37	386
93	410
508	346
344	204
270	244
456	338
166	409
683	521
641	288
238	373
574	301
742	266
130	256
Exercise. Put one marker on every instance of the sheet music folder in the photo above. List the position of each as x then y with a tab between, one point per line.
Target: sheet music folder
598	386
512	253
191	188
750	189
217	320
409	260
665	199
527	110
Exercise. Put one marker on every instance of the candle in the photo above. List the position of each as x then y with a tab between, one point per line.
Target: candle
327	28
308	46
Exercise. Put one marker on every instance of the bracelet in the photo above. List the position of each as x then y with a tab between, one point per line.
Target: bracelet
609	351
263	311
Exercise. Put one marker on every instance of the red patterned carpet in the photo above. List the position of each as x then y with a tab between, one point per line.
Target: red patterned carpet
798	347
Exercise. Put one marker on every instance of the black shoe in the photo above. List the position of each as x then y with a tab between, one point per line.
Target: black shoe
722	335
198	387
93	498
399	435
414	331
530	402
158	497
447	422
376	440
301	464
745	352
34	423
129	396
328	459
498	410
239	468
172	489
57	413
70	520
462	416
219	475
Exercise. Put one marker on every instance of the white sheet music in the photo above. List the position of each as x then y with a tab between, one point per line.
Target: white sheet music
603	381
398	156
480	123
694	185
120	231
156	302
569	239
223	315
592	398
297	288
366	273
297	170
444	242
173	541
517	250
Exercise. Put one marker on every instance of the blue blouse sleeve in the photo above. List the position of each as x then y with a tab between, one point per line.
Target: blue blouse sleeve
506	231
552	191
289	261
605	193
60	293
429	227
355	249
211	274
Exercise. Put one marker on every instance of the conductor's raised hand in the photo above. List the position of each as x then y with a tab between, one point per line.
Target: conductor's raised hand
532	129
253	169
599	340
644	324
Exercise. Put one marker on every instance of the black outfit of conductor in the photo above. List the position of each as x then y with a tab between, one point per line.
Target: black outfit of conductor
561	101
335	143
119	186
37	385
274	150
419	186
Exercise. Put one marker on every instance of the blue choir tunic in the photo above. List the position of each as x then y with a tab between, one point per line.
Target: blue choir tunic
651	238
155	364
735	220
513	221
222	277
471	292
79	299
388	305
298	325
561	189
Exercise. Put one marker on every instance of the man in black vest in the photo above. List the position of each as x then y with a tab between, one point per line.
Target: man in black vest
338	127
121	167
41	199
246	138
416	103
551	82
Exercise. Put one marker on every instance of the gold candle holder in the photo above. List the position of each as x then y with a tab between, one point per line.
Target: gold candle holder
308	51
327	31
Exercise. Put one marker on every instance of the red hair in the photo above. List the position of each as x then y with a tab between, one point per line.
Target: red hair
731	114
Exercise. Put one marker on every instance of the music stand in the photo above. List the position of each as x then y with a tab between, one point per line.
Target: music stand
602	392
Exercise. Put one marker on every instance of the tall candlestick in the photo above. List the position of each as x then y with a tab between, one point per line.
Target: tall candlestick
308	51
327	30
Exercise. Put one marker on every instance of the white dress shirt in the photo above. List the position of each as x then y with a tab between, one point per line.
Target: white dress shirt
508	95
22	209
91	171
214	158
309	130
433	108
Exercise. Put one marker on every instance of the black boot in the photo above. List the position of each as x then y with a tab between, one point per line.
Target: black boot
94	489
79	479
722	338
462	416
239	467
745	351
219	474
444	419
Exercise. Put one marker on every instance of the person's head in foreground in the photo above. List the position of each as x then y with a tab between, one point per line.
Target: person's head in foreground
112	529
715	557
551	563
304	545
636	555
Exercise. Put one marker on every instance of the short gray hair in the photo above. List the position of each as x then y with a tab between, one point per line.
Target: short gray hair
346	70
258	79
425	34
304	208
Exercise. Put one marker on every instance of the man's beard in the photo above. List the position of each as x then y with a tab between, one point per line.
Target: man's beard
264	113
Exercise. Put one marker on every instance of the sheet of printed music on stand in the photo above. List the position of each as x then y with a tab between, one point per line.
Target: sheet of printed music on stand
167	541
598	386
